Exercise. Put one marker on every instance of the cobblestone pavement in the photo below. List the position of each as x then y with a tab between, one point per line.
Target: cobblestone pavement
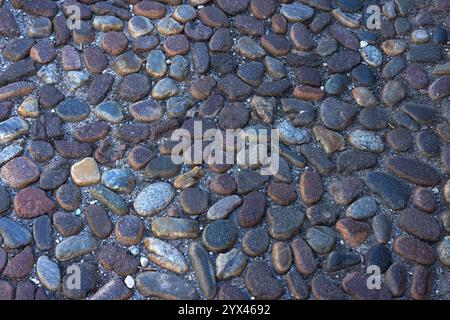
93	207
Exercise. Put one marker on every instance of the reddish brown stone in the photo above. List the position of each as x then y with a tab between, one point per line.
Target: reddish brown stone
252	210
353	232
32	202
201	88
279	24
275	44
92	132
21	265
94	59
139	156
72	149
150	9
311	188
114	43
423	199
223	185
421	283
20	172
415	250
262	9
176	45
304	260
282	193
308	93
420	224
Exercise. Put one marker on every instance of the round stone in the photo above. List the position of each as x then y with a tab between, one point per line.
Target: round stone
48	273
119	180
219	236
68	197
85	172
73	110
114	43
153	199
194	201
20	172
230	264
321	239
164	88
139	26
176	45
146	111
363	208
255	242
184	13
372	56
66	223
134	87
110	111
129	230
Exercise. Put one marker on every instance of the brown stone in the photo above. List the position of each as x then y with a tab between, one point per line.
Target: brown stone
114	43
311	188
21	265
353	232
304	259
150	9
176	45
20	172
415	250
32	202
281	193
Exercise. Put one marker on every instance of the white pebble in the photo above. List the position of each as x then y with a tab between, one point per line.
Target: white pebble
143	261
363	44
129	282
134	250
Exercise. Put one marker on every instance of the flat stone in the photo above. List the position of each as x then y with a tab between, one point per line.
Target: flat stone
396	279
113	290
204	270
255	242
134	87
394	192
32	202
165	255
261	283
281	257
393	92
425	53
292	135
174	228
382	228
230	264
321	214
318	159
20	172
337	261
20	265
420	224
194	201
98	220
111	200
321	239
284	223
139	26
362	209
355	284
73	110
85	172
164	286
129	230
48	273
353	232
343	61
88	275
414	250
335	114
222	208
119	180
416	76
366	141
126	63
304	259
296	12
380	256
252	210
67	224
114	43
413	171
75	246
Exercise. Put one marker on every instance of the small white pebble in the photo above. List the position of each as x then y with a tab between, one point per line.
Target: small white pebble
129	282
363	44
143	261
134	250
435	190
